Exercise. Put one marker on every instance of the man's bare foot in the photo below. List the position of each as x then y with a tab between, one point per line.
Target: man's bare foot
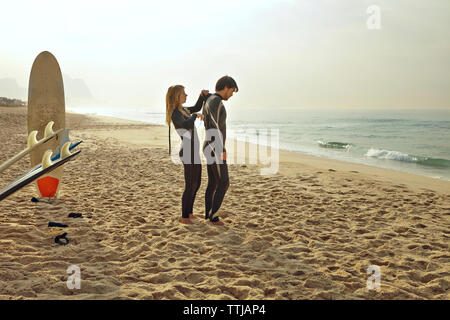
191	216
185	221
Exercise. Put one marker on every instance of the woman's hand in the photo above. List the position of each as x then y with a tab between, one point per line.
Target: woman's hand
204	92
200	116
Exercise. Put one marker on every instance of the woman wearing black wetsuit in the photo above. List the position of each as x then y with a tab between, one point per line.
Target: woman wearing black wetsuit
183	121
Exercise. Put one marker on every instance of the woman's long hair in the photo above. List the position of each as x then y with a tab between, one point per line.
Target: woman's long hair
173	101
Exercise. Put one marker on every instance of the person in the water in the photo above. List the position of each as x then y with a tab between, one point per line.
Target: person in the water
183	120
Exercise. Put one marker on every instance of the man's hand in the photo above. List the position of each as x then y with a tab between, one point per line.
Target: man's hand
224	156
204	92
200	116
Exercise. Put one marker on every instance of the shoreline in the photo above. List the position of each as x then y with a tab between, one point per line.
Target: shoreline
159	132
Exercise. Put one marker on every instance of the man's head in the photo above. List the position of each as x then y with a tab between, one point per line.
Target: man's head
226	86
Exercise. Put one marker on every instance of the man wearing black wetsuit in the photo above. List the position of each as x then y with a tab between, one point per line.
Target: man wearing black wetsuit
215	116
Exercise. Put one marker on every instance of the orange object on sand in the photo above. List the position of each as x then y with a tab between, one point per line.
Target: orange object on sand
48	186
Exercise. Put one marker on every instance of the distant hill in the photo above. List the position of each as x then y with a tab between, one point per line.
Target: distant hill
76	91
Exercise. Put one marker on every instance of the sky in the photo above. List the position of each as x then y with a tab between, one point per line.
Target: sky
305	54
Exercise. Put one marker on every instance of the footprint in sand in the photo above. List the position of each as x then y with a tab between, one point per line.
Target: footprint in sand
195	277
239	293
333	268
187	292
270	291
401	229
172	260
160	278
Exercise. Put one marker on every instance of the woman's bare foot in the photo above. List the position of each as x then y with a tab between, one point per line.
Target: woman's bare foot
217	223
185	220
191	216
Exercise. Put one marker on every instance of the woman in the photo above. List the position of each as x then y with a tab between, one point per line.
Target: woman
183	120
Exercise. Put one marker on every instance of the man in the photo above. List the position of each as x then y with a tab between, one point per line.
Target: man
215	117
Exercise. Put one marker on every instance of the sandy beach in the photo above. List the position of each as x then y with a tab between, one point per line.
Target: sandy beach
309	231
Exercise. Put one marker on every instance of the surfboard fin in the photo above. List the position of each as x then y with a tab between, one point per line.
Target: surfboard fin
32	139
64	137
49	129
46	161
65	152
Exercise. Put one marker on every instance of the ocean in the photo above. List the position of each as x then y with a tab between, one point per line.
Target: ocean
415	141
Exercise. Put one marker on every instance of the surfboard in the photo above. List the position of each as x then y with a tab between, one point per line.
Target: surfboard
32	144
53	158
47	168
46	103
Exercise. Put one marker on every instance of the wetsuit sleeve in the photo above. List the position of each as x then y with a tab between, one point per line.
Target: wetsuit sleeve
198	106
181	122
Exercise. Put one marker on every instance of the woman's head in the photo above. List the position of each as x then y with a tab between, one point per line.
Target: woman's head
175	98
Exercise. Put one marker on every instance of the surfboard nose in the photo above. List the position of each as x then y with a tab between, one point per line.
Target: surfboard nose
45	55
